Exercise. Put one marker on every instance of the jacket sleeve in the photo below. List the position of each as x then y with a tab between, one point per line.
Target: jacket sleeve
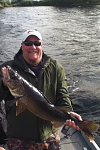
62	89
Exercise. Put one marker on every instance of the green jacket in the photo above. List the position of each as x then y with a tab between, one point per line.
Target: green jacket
51	82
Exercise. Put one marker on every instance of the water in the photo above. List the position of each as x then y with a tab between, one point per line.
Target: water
72	37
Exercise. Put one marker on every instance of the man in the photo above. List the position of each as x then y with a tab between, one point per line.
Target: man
27	131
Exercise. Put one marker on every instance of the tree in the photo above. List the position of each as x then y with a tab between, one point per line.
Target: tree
69	2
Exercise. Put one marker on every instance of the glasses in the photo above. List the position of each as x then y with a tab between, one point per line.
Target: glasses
30	43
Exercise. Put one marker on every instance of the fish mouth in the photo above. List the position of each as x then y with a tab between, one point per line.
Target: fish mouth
11	73
8	73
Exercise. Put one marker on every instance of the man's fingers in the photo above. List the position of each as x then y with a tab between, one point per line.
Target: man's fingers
71	124
4	71
1	148
76	116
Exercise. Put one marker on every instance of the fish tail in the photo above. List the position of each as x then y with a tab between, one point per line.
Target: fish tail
89	128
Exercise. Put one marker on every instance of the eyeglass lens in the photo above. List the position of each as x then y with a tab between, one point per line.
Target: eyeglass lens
30	43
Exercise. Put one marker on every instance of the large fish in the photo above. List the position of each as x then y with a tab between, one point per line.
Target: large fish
29	97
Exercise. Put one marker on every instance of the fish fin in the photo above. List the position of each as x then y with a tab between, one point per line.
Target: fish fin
57	124
89	128
93	127
20	107
63	109
12	102
16	103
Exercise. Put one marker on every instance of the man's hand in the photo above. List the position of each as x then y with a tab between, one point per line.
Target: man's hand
1	148
4	73
71	123
4	82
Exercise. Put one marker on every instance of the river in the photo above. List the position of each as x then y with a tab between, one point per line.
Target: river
72	37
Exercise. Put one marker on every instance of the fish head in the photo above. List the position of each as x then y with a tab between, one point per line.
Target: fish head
13	80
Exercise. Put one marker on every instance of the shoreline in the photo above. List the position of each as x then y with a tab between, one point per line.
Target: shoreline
66	5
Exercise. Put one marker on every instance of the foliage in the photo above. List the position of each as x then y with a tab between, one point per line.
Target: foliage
26	3
69	2
6	3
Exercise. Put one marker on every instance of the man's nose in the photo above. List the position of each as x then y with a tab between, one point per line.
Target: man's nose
33	46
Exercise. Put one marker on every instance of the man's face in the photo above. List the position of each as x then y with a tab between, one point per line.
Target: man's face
32	54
